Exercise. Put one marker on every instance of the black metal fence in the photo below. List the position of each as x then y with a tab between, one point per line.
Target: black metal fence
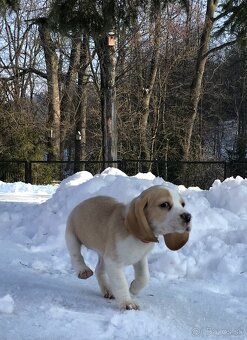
188	173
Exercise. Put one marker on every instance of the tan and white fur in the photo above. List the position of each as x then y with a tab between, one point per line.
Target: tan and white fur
123	235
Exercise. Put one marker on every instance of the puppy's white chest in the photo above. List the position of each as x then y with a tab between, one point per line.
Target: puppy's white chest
131	250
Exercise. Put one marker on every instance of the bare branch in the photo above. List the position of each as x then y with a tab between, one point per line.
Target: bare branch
220	47
23	71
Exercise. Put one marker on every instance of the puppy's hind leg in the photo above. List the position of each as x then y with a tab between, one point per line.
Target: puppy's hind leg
77	260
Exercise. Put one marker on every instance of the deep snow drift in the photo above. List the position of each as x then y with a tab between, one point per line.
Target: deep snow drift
197	292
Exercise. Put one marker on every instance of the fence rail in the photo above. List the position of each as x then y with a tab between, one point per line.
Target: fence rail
188	173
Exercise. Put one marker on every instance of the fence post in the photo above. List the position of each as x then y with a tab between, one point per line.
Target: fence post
156	163
230	165
225	170
28	172
123	165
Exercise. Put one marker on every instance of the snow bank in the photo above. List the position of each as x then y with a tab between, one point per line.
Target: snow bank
214	261
230	195
20	187
217	243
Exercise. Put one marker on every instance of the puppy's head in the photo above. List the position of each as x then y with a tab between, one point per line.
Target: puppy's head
159	211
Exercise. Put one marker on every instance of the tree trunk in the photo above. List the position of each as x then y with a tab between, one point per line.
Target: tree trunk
52	66
81	113
148	87
107	60
144	145
68	93
195	90
242	113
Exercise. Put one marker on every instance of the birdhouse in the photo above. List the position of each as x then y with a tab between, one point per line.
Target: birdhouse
111	39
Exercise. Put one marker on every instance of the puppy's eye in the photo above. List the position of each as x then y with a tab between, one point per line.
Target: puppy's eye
183	204
165	205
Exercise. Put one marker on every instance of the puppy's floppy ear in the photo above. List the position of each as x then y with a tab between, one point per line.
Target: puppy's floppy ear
136	221
175	241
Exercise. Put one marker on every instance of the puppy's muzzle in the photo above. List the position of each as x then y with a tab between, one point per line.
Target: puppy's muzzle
186	217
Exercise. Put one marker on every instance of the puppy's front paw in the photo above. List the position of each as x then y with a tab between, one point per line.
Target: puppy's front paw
129	305
85	274
108	294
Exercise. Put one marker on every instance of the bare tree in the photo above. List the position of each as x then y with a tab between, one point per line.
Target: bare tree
106	51
149	81
142	72
52	68
68	88
81	112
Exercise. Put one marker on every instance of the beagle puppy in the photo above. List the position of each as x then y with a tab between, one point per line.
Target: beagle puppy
123	235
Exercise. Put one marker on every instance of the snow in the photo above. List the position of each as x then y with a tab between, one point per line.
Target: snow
197	292
6	304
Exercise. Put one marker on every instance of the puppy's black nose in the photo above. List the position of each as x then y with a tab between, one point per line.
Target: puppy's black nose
186	217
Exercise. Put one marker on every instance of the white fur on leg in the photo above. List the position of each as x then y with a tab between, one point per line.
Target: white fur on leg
119	285
77	260
103	279
141	276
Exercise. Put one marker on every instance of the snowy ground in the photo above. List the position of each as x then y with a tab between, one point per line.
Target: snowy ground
199	292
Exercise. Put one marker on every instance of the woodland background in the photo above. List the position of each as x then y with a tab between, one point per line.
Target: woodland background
108	80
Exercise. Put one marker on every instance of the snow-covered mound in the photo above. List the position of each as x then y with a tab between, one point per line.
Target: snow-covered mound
198	291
